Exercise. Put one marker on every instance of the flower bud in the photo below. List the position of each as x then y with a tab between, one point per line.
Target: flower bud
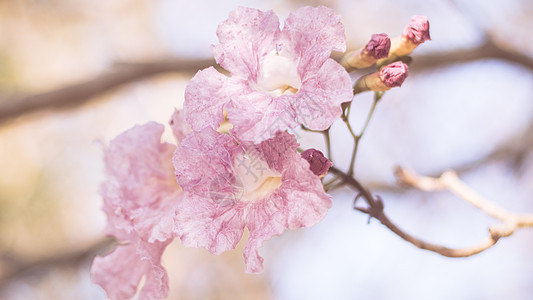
390	76
414	34
378	47
318	163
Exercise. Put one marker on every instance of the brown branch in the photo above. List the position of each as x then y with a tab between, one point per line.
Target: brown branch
449	181
487	50
80	93
376	210
15	267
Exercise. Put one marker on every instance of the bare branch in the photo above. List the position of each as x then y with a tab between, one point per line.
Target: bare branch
486	50
376	210
80	93
15	267
449	180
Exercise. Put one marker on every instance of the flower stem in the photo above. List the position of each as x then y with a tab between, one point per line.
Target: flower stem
357	137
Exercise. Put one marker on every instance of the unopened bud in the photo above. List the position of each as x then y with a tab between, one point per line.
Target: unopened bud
414	34
390	76
378	47
417	31
318	163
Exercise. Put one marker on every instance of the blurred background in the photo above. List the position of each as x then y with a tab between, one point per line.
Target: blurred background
73	72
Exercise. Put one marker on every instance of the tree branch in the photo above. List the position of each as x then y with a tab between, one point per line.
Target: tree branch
449	181
13	267
80	93
375	209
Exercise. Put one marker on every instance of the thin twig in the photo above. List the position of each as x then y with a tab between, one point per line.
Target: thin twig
357	137
450	181
376	210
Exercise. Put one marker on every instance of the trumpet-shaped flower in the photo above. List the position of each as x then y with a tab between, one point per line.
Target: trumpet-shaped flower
266	187
140	195
279	78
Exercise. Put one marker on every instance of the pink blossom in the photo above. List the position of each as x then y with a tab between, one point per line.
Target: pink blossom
279	78
140	195
265	187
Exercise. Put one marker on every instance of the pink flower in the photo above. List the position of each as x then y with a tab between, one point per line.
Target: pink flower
266	187
279	78
140	195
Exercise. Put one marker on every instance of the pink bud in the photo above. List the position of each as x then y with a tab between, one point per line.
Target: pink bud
417	31
394	74
318	163
378	46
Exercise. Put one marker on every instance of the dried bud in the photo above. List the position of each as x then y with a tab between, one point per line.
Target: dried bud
378	47
318	163
417	31
390	76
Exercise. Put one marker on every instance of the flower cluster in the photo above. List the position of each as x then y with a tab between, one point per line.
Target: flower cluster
235	164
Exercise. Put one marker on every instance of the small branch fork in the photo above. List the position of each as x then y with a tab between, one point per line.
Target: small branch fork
449	181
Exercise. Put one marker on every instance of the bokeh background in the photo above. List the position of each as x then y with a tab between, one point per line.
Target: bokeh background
75	72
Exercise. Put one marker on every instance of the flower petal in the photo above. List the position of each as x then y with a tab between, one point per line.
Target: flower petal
180	128
312	34
257	116
208	223
205	99
202	157
300	201
140	180
209	214
244	37
321	95
120	272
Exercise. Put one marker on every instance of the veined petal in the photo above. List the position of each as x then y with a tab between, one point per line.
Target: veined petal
312	33
120	272
140	195
321	96
258	116
180	128
205	97
140	178
244	37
